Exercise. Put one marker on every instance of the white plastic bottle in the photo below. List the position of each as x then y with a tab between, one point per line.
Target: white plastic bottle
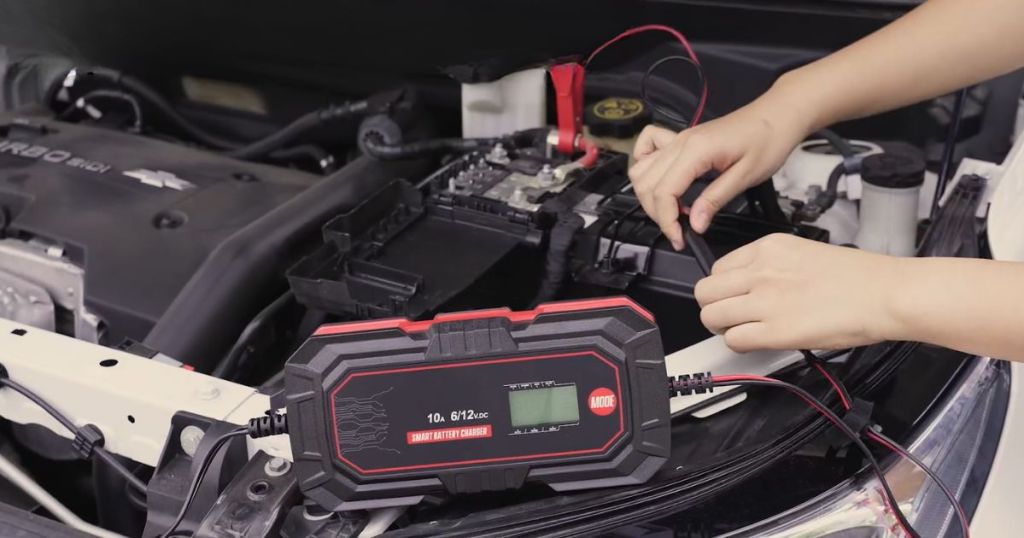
888	205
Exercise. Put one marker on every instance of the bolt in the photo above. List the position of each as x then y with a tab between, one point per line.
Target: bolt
546	176
277	466
190	438
498	154
70	291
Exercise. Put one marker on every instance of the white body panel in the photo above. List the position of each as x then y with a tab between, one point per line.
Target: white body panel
69	374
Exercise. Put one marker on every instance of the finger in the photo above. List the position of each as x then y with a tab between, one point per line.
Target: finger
651	139
644	182
737	259
720	316
720	192
722	286
752	337
675	177
641	167
666	213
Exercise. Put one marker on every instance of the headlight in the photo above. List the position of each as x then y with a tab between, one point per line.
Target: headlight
957	443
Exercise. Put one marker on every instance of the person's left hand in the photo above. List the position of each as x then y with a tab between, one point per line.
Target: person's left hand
784	292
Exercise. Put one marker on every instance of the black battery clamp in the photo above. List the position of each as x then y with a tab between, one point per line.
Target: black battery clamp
570	394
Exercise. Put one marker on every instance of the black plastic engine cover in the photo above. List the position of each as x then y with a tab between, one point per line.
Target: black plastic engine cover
139	237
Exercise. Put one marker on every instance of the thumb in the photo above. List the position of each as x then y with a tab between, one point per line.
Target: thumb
720	192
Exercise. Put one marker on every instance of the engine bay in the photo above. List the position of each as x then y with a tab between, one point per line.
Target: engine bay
195	267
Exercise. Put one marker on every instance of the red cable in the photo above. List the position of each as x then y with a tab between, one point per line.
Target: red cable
679	37
835	385
725	379
903	454
893	448
590	155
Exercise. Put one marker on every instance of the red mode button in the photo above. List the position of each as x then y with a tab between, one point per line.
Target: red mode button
602	402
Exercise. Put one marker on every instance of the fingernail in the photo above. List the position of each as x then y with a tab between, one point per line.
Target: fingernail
700	220
677	244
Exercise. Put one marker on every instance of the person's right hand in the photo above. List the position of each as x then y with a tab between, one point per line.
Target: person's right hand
746	147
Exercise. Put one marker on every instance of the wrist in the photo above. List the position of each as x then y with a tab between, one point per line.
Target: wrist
900	300
782	107
795	97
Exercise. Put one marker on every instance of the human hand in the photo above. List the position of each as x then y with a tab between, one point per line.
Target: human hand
746	147
784	292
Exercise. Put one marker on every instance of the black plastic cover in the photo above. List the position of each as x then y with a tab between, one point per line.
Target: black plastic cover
138	242
902	166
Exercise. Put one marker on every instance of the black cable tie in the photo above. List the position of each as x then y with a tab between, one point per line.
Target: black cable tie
271	423
87	439
859	416
687	384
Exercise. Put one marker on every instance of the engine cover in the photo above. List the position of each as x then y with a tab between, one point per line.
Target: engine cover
134	216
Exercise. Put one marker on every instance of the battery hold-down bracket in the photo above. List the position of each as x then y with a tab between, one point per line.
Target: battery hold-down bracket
569	394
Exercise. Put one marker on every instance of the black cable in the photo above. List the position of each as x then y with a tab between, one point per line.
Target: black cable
949	150
134	498
197	481
948	493
43	404
305	123
109	94
840	144
666	112
98	451
815	361
264	147
786	370
839	424
813	209
699	247
617	224
225	368
166	110
317	155
556	261
412	150
901	451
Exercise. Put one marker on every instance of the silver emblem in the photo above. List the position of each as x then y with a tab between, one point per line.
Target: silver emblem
160	179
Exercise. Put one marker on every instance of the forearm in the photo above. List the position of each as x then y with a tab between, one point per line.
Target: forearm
970	305
939	47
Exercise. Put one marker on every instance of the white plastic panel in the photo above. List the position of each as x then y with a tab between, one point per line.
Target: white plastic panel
512	103
130	398
712	355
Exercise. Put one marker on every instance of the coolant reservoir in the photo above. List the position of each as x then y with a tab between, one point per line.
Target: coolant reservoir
888	205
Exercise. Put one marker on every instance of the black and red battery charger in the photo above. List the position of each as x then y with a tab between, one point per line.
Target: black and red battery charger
570	394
